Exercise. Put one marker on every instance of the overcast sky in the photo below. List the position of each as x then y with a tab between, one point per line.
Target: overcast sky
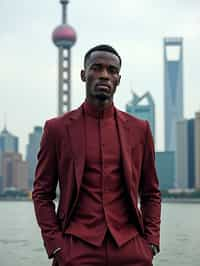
136	28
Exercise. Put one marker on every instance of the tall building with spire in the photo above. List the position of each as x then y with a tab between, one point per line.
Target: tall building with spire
144	108
8	142
64	37
173	89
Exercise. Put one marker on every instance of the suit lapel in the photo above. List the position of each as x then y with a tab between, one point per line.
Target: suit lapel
125	143
77	139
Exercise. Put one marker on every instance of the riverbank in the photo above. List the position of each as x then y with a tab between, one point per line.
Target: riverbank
164	200
181	200
15	199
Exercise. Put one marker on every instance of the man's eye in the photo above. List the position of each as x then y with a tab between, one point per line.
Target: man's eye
113	70
95	67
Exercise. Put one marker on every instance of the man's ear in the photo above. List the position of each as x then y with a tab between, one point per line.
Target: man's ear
83	78
118	82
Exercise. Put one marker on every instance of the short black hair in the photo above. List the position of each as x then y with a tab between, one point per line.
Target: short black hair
101	47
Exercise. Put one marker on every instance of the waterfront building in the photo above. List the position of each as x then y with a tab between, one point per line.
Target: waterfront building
1	184
165	165
8	142
14	171
181	154
185	154
191	154
173	89
144	108
31	152
1	177
197	150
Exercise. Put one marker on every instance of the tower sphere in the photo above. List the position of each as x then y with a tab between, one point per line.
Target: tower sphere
64	36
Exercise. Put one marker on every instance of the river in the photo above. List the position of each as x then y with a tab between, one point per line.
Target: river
21	244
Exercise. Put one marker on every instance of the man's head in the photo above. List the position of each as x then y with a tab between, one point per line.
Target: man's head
101	70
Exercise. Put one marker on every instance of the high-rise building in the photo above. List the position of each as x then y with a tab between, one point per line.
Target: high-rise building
1	184
173	89
144	108
165	166
64	38
191	153
8	142
197	149
185	154
181	154
15	171
31	153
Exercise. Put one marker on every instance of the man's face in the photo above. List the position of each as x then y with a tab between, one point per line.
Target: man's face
101	75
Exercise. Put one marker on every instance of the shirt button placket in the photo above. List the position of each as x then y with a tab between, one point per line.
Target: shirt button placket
102	144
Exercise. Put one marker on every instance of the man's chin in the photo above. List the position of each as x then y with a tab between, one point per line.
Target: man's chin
103	97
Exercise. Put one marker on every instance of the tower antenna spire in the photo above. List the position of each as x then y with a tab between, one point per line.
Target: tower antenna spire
5	121
64	4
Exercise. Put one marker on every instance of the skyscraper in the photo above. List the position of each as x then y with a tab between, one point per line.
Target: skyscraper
64	38
191	153
144	108
181	154
197	149
185	154
8	142
173	88
31	154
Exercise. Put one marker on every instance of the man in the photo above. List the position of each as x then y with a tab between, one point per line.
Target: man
103	160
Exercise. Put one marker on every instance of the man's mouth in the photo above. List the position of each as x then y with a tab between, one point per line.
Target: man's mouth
103	87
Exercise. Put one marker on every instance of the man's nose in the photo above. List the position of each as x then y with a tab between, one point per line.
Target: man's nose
104	73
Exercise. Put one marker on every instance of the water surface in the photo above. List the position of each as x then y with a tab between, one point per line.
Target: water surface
21	244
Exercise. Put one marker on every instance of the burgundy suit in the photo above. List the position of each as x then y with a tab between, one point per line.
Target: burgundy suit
62	158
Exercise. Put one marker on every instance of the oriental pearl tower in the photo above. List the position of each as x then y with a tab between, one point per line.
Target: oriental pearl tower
64	37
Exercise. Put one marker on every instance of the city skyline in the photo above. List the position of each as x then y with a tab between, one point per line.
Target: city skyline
28	80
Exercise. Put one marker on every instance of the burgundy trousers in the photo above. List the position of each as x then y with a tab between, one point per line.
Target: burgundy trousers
135	252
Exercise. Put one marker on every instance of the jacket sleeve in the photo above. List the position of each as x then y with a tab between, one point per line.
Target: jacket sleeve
44	192
150	196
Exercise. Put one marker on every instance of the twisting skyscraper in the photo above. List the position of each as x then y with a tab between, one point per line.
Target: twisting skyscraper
64	38
173	88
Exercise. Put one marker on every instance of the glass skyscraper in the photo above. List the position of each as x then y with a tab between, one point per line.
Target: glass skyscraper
8	142
173	89
185	154
197	150
32	150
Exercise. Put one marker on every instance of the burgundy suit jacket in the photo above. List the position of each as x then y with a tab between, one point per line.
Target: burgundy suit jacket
61	159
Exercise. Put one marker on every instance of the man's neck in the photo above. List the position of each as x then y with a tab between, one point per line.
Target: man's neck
100	105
